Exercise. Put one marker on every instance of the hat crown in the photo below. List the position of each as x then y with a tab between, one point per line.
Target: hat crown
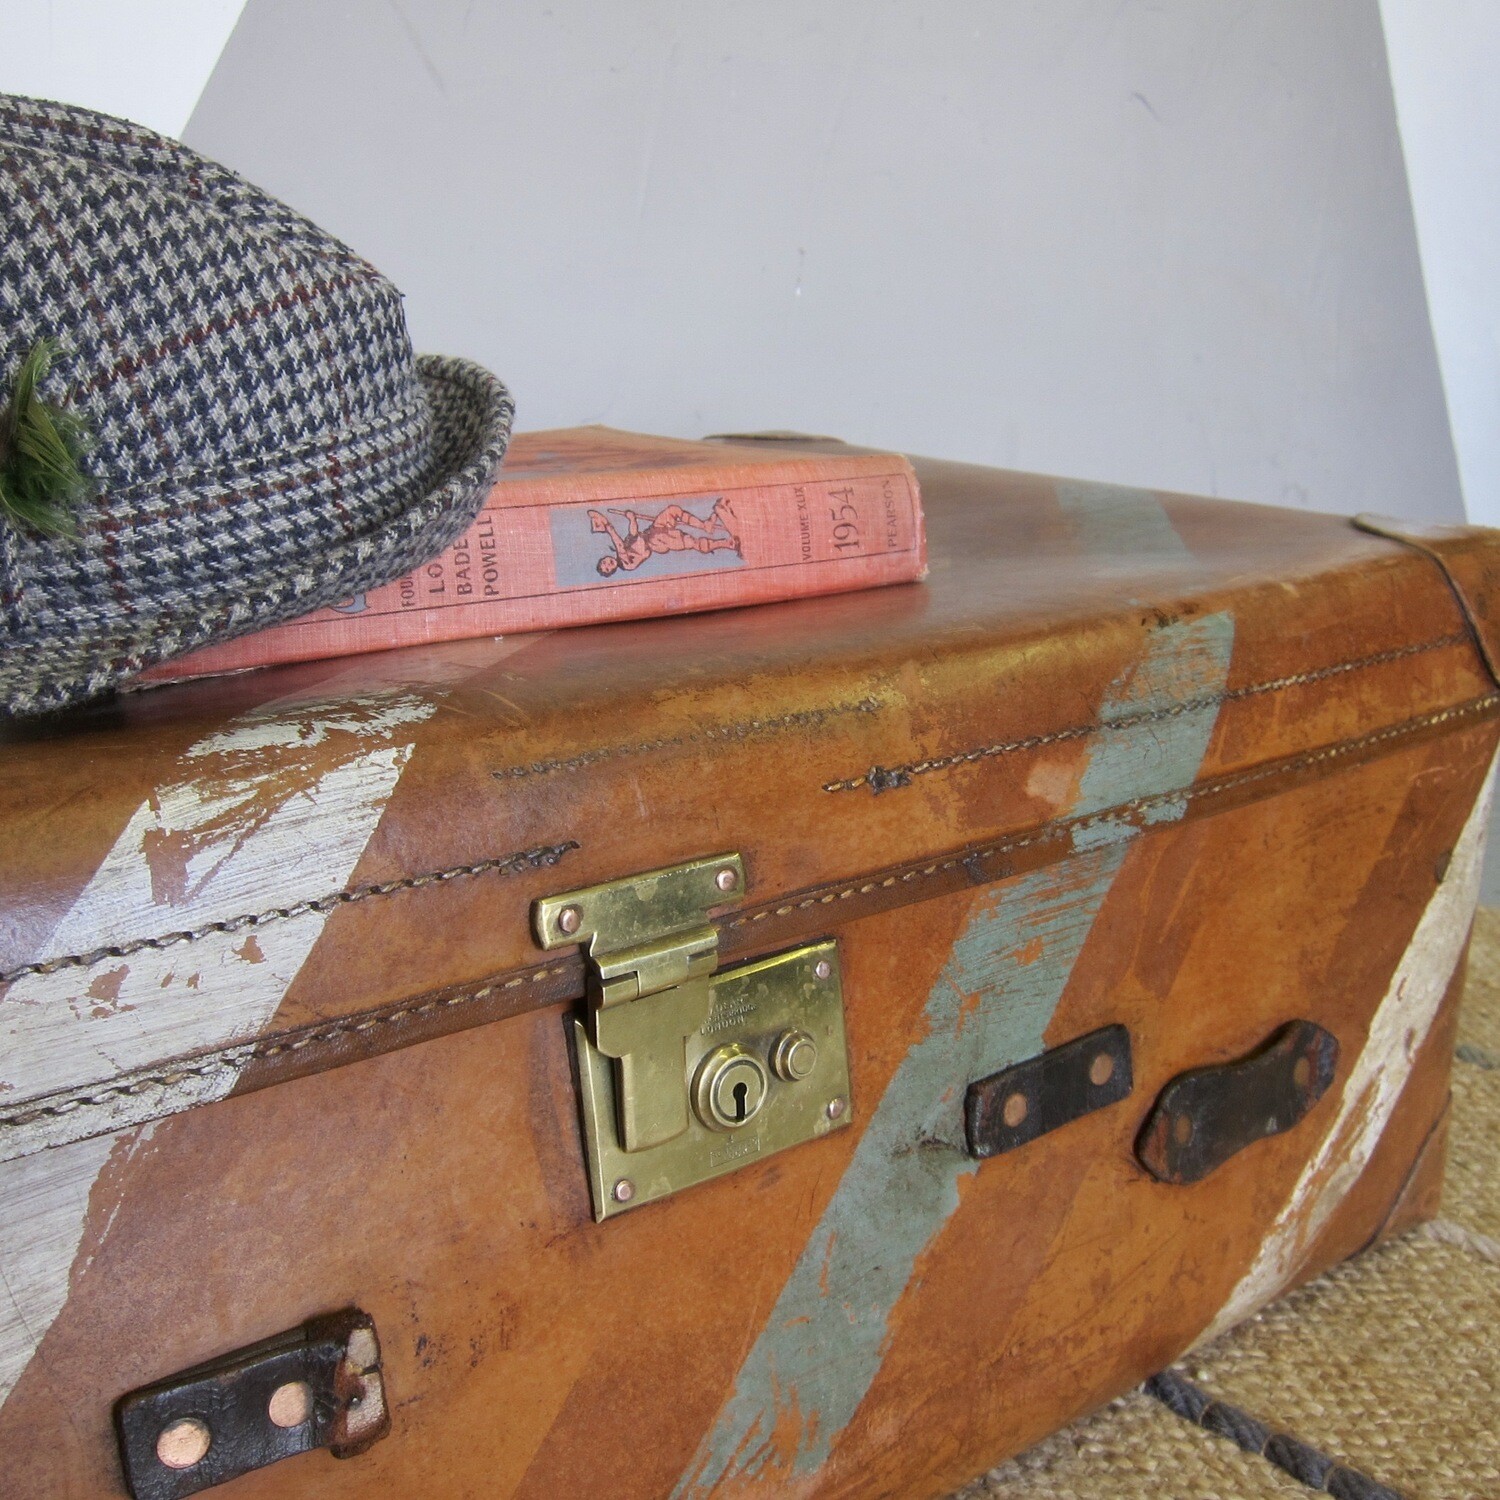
204	324
265	443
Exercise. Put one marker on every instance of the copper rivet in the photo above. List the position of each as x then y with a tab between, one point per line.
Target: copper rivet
183	1443
1016	1109
836	1108
726	880
1182	1129
1101	1070
569	919
1302	1072
290	1404
624	1190
822	968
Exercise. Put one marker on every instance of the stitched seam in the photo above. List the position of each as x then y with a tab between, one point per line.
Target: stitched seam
881	778
1113	814
237	1057
505	864
743	730
230	1057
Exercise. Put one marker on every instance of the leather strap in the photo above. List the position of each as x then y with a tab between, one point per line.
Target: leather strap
1418	539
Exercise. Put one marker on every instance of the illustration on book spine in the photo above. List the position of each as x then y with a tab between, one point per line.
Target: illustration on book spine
671	538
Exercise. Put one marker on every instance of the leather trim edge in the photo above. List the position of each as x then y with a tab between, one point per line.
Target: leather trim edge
1394	531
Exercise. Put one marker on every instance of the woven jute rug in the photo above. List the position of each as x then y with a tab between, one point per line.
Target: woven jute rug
1380	1379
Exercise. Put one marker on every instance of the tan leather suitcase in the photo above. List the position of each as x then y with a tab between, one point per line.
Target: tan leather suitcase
691	1058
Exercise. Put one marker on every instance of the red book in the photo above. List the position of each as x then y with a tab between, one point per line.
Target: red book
587	524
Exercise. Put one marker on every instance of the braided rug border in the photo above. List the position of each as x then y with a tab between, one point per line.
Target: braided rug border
1306	1464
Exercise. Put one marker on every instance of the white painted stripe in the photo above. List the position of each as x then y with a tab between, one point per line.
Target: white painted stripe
232	839
249	822
46	1200
1400	1026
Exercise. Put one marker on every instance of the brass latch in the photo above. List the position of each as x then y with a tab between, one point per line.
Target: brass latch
685	1072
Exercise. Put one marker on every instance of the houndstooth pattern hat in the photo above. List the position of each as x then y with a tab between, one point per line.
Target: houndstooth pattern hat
265	441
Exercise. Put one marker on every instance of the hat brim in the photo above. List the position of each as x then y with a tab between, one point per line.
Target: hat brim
471	419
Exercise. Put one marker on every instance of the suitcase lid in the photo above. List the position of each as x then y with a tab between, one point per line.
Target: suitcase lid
219	885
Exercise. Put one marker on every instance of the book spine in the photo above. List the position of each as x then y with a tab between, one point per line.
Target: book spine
539	556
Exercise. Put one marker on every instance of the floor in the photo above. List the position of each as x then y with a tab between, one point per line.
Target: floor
1379	1380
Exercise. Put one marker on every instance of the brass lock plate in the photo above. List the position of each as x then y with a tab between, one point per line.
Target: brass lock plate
766	1069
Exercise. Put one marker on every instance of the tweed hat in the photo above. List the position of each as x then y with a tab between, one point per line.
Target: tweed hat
264	441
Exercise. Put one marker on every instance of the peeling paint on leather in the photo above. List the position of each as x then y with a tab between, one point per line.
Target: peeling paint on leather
1370	1094
233	834
825	1339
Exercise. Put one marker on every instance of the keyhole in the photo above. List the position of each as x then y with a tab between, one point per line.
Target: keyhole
730	1087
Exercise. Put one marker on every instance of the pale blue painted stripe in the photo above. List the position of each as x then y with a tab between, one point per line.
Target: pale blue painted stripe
825	1339
1119	529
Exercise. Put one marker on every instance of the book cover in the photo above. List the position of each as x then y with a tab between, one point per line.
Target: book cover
585	525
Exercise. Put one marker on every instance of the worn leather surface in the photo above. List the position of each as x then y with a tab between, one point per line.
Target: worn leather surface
1033	859
1466	557
561	759
442	1188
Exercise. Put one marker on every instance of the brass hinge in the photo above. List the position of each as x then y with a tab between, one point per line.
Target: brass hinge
687	1072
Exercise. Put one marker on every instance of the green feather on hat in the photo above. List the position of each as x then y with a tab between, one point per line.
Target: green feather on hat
42	447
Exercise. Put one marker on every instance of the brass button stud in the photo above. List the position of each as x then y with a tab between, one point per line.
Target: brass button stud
794	1056
184	1443
1101	1070
1015	1110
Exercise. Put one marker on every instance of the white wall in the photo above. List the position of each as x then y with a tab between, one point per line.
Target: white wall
1166	244
1445	67
145	59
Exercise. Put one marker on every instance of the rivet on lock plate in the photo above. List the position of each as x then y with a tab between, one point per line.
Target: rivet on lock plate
687	1073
